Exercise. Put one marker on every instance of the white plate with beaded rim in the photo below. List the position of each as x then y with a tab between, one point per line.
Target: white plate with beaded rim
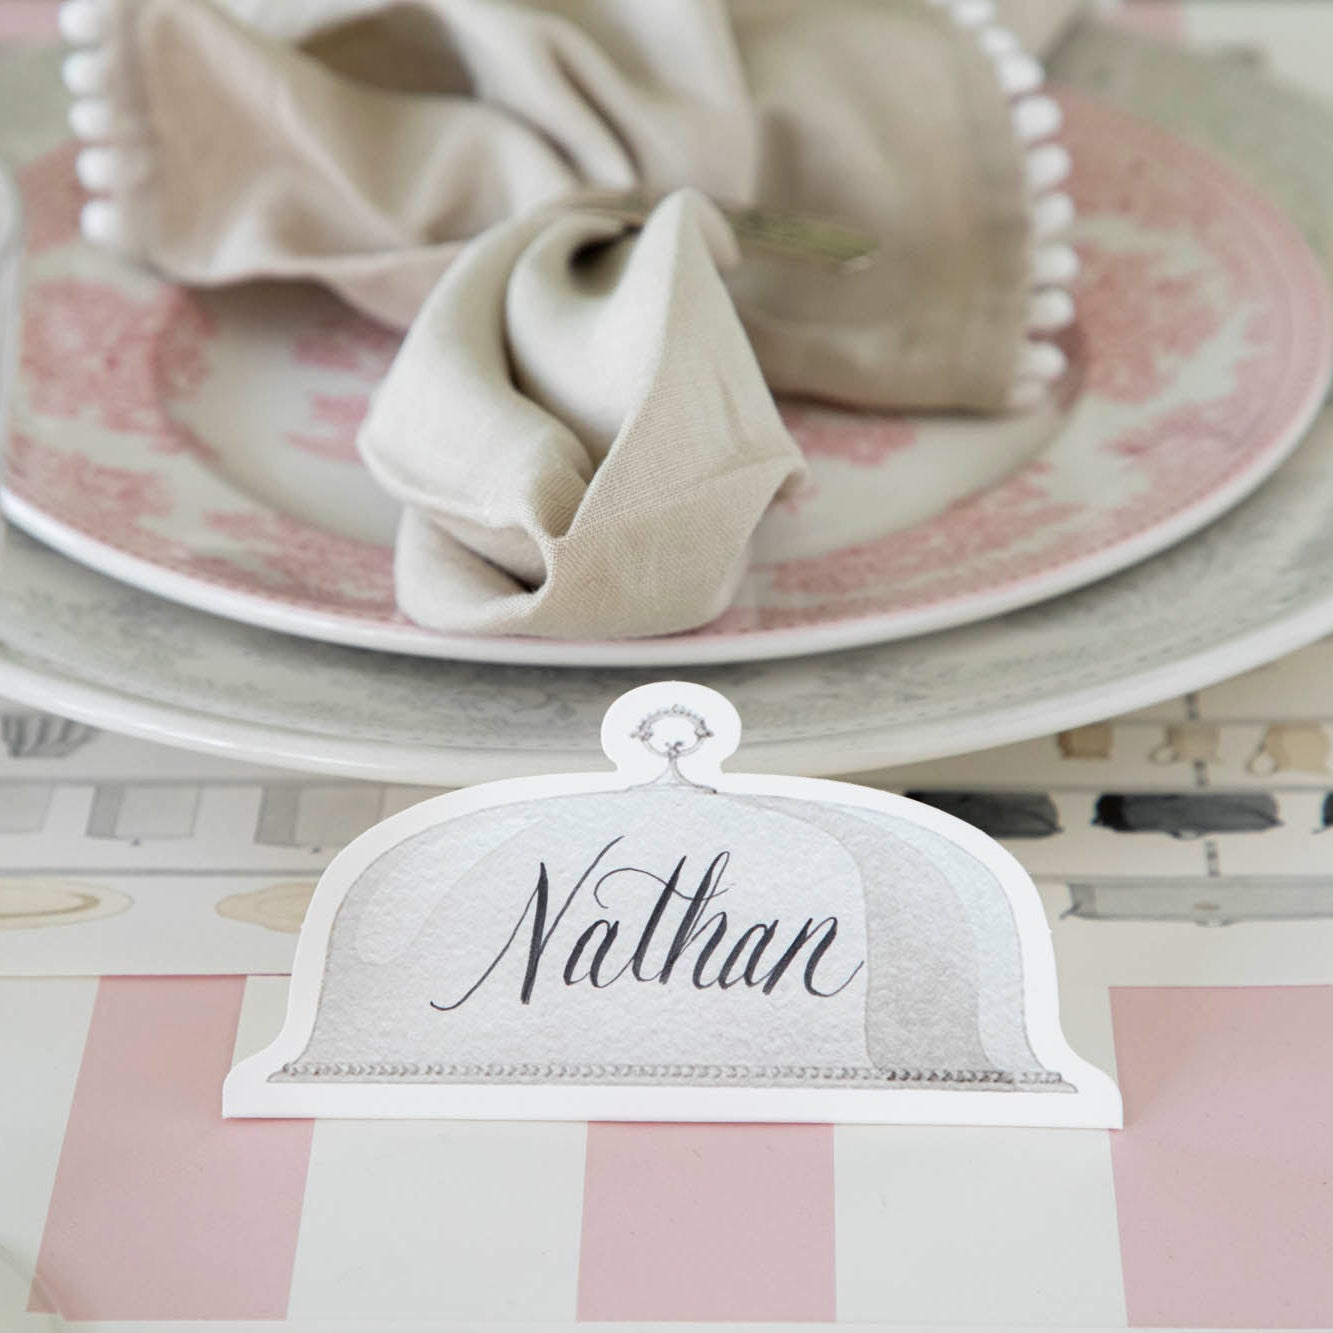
200	445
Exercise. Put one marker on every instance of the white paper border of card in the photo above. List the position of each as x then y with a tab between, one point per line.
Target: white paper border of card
1093	1102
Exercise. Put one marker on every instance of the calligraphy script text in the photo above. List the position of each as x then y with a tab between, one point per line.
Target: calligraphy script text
696	948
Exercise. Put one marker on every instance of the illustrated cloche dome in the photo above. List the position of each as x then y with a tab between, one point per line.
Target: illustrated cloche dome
674	930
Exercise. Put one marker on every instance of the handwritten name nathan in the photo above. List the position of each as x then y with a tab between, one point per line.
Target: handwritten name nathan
679	938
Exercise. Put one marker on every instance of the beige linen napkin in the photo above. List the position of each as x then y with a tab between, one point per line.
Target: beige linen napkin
366	154
596	449
587	455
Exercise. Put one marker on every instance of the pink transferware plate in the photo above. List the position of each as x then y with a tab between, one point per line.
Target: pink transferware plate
200	445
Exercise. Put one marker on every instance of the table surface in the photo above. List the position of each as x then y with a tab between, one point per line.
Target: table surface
1212	1208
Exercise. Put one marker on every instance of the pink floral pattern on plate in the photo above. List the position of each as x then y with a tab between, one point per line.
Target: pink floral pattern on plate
91	352
861	438
1145	321
1203	345
93	497
294	558
52	198
335	423
357	349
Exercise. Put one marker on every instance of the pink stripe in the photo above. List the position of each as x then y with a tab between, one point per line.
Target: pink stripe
1224	1174
161	1209
708	1222
28	21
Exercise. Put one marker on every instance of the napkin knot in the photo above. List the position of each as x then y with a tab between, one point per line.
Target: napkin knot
599	443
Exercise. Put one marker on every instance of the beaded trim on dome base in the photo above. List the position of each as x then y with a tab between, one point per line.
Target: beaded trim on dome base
306	1071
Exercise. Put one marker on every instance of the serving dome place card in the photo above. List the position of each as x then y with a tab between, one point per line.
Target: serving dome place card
675	942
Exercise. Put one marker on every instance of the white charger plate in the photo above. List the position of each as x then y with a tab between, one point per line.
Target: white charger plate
201	445
1255	585
1250	588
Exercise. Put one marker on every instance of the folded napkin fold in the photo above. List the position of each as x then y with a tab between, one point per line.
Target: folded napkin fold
598	444
580	422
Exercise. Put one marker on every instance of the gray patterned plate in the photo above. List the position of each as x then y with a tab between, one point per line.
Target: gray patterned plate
1253	586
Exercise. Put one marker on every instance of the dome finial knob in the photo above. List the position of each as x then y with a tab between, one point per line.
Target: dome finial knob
672	732
676	721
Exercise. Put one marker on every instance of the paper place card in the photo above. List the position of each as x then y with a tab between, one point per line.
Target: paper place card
672	942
